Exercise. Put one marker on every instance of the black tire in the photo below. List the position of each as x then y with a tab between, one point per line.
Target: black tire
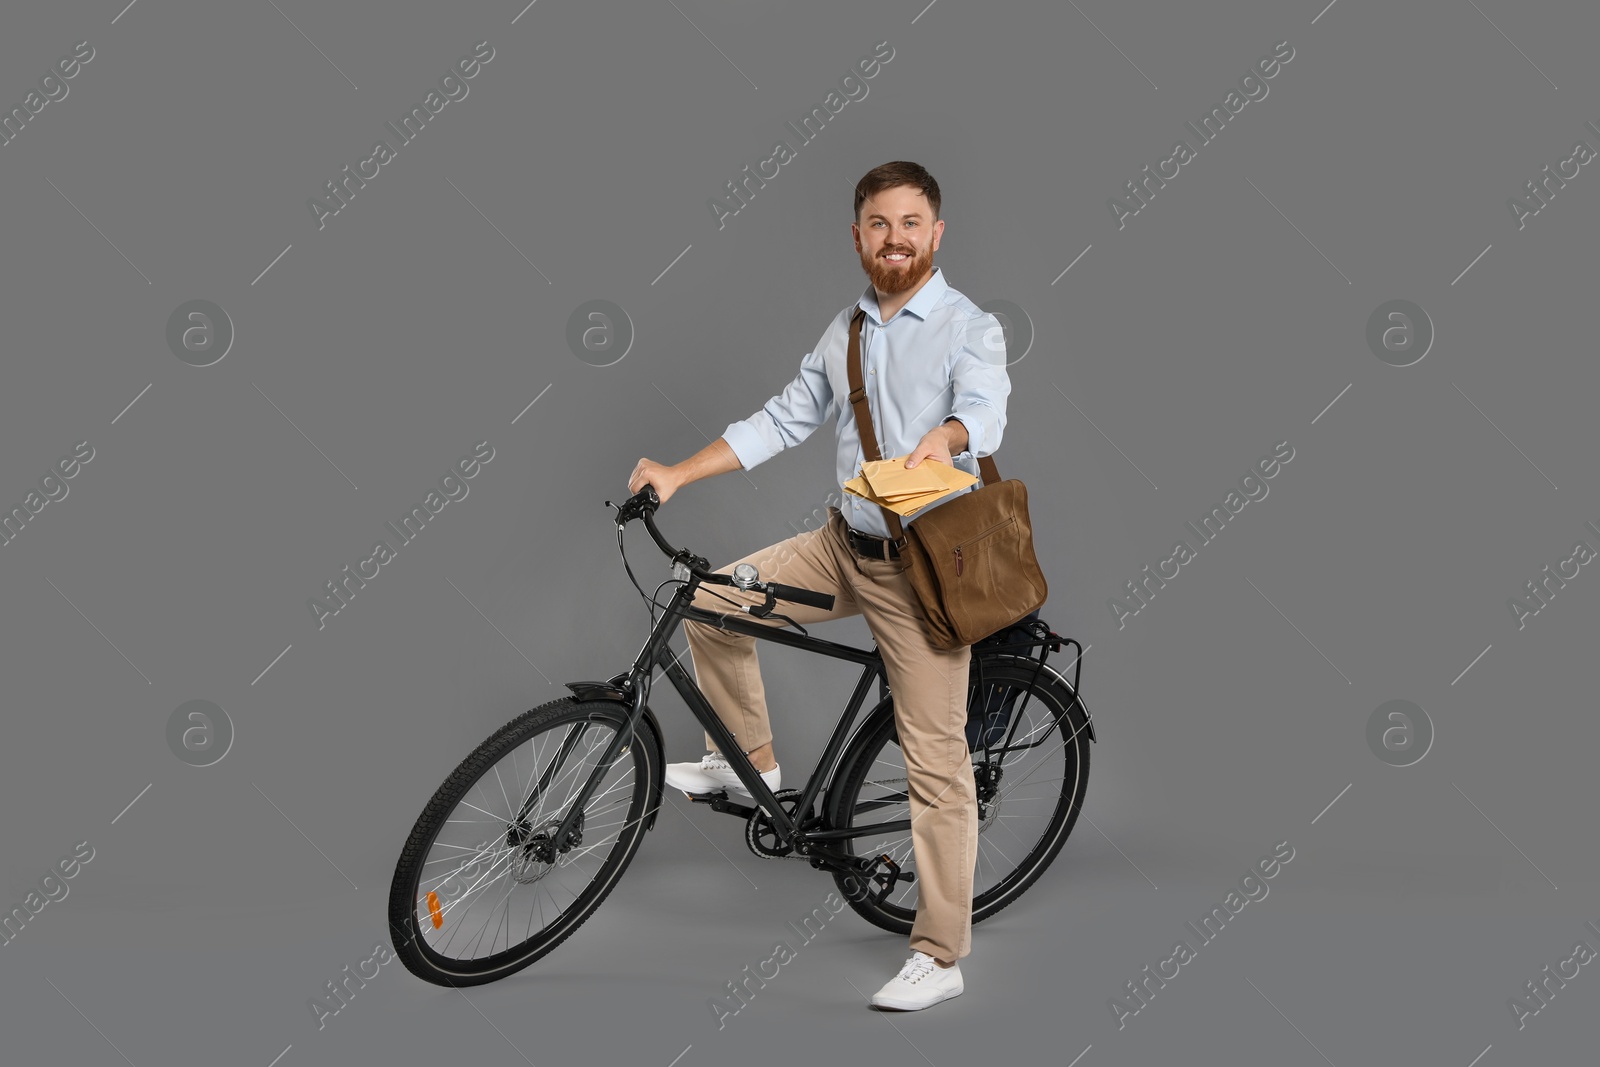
1048	713
477	788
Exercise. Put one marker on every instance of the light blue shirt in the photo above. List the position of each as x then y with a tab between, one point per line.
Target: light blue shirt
939	356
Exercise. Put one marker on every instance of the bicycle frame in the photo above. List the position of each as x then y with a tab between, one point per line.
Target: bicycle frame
633	685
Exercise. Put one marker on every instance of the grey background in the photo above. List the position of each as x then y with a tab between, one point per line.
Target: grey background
1195	338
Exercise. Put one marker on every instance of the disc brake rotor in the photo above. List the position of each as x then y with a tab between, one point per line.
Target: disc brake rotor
536	854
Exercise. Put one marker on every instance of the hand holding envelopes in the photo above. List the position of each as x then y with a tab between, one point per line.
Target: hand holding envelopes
888	483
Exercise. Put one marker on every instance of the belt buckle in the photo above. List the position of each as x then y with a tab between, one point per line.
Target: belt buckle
859	540
880	546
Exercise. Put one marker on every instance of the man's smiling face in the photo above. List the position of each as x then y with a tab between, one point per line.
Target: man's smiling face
896	236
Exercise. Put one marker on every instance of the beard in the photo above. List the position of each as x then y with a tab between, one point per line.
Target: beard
897	278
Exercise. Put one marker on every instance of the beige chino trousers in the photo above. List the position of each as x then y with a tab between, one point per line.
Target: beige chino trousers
930	705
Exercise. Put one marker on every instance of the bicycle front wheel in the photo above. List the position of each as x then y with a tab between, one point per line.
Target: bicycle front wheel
1031	789
481	890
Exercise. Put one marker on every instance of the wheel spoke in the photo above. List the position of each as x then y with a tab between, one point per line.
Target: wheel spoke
511	812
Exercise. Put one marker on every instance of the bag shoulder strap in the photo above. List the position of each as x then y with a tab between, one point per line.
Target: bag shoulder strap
869	437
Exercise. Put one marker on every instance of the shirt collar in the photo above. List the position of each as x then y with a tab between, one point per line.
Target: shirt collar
925	301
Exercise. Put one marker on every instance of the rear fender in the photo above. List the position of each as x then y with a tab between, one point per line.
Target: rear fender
1047	671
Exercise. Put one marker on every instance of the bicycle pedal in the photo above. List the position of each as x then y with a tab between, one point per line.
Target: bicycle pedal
719	802
899	875
887	880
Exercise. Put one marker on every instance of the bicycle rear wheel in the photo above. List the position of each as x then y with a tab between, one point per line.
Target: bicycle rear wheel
1034	787
480	892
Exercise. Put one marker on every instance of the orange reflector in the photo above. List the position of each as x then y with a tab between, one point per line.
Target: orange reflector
433	910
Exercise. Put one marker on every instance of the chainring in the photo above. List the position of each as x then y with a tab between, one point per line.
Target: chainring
761	836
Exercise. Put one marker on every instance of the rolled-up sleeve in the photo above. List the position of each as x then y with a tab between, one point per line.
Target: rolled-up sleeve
786	419
980	383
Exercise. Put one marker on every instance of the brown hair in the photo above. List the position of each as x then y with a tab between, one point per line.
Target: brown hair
900	172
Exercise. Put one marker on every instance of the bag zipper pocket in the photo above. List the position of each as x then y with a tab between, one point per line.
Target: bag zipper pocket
980	537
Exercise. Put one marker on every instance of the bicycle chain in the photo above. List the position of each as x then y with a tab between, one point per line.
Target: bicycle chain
880	782
763	855
875	781
793	856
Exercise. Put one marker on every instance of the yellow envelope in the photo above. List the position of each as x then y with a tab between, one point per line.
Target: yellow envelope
889	479
888	483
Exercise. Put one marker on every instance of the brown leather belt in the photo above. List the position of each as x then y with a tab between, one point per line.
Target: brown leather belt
871	547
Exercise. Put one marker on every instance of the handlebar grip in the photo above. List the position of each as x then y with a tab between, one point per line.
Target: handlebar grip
802	596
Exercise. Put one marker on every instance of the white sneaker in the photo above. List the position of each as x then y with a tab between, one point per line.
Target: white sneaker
921	983
713	775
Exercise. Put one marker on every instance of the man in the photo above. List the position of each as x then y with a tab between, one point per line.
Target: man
936	384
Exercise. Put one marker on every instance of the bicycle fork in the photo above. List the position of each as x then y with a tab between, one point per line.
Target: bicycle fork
629	688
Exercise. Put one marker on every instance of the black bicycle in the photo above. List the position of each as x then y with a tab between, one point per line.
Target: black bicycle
528	835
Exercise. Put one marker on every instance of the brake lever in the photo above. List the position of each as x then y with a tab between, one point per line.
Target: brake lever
764	611
634	506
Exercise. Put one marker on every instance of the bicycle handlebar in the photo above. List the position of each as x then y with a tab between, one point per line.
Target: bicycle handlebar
643	505
802	596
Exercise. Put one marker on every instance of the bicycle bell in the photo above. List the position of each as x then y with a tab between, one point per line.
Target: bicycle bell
745	576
